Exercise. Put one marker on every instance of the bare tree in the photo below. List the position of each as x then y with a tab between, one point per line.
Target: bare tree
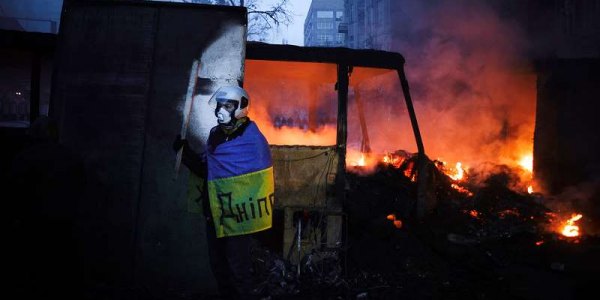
261	18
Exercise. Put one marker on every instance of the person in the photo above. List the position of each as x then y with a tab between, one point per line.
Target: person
238	192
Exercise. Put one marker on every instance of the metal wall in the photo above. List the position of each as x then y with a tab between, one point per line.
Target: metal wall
567	139
121	76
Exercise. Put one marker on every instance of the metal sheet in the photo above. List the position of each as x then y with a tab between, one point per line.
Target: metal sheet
122	72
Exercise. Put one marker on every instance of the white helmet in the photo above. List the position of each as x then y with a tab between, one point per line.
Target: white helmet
232	93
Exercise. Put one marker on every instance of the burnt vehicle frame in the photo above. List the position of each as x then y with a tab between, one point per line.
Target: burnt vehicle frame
345	60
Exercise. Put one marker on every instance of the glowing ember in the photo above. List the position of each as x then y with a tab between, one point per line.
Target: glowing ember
461	189
409	171
508	212
527	163
539	243
474	213
413	178
398	224
570	229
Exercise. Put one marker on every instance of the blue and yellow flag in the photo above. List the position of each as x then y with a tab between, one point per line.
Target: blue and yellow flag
240	184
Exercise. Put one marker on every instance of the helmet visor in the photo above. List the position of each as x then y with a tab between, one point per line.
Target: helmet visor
221	96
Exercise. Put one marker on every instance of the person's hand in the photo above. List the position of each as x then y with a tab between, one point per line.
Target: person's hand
178	143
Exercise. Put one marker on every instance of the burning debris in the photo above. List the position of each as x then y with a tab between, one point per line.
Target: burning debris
478	234
485	219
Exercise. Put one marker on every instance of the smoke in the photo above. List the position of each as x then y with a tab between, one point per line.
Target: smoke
473	89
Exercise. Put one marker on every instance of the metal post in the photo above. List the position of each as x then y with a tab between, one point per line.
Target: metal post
187	110
342	131
424	197
365	146
411	110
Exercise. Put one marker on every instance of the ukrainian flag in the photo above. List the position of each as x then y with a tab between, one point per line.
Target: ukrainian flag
241	185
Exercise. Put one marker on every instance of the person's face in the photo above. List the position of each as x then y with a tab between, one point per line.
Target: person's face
225	111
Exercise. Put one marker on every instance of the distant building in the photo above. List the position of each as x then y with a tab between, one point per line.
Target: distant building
322	24
561	28
368	23
30	15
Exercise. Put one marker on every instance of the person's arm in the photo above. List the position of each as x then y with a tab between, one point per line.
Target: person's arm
192	160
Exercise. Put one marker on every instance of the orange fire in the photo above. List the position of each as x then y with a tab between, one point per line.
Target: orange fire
566	227
311	119
569	228
393	160
527	163
361	161
459	172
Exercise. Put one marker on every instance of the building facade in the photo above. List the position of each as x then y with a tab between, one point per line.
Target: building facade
322	24
368	24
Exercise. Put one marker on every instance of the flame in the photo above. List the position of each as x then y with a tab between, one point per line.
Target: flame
527	163
391	217
570	229
309	117
565	226
361	161
460	173
393	160
530	189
